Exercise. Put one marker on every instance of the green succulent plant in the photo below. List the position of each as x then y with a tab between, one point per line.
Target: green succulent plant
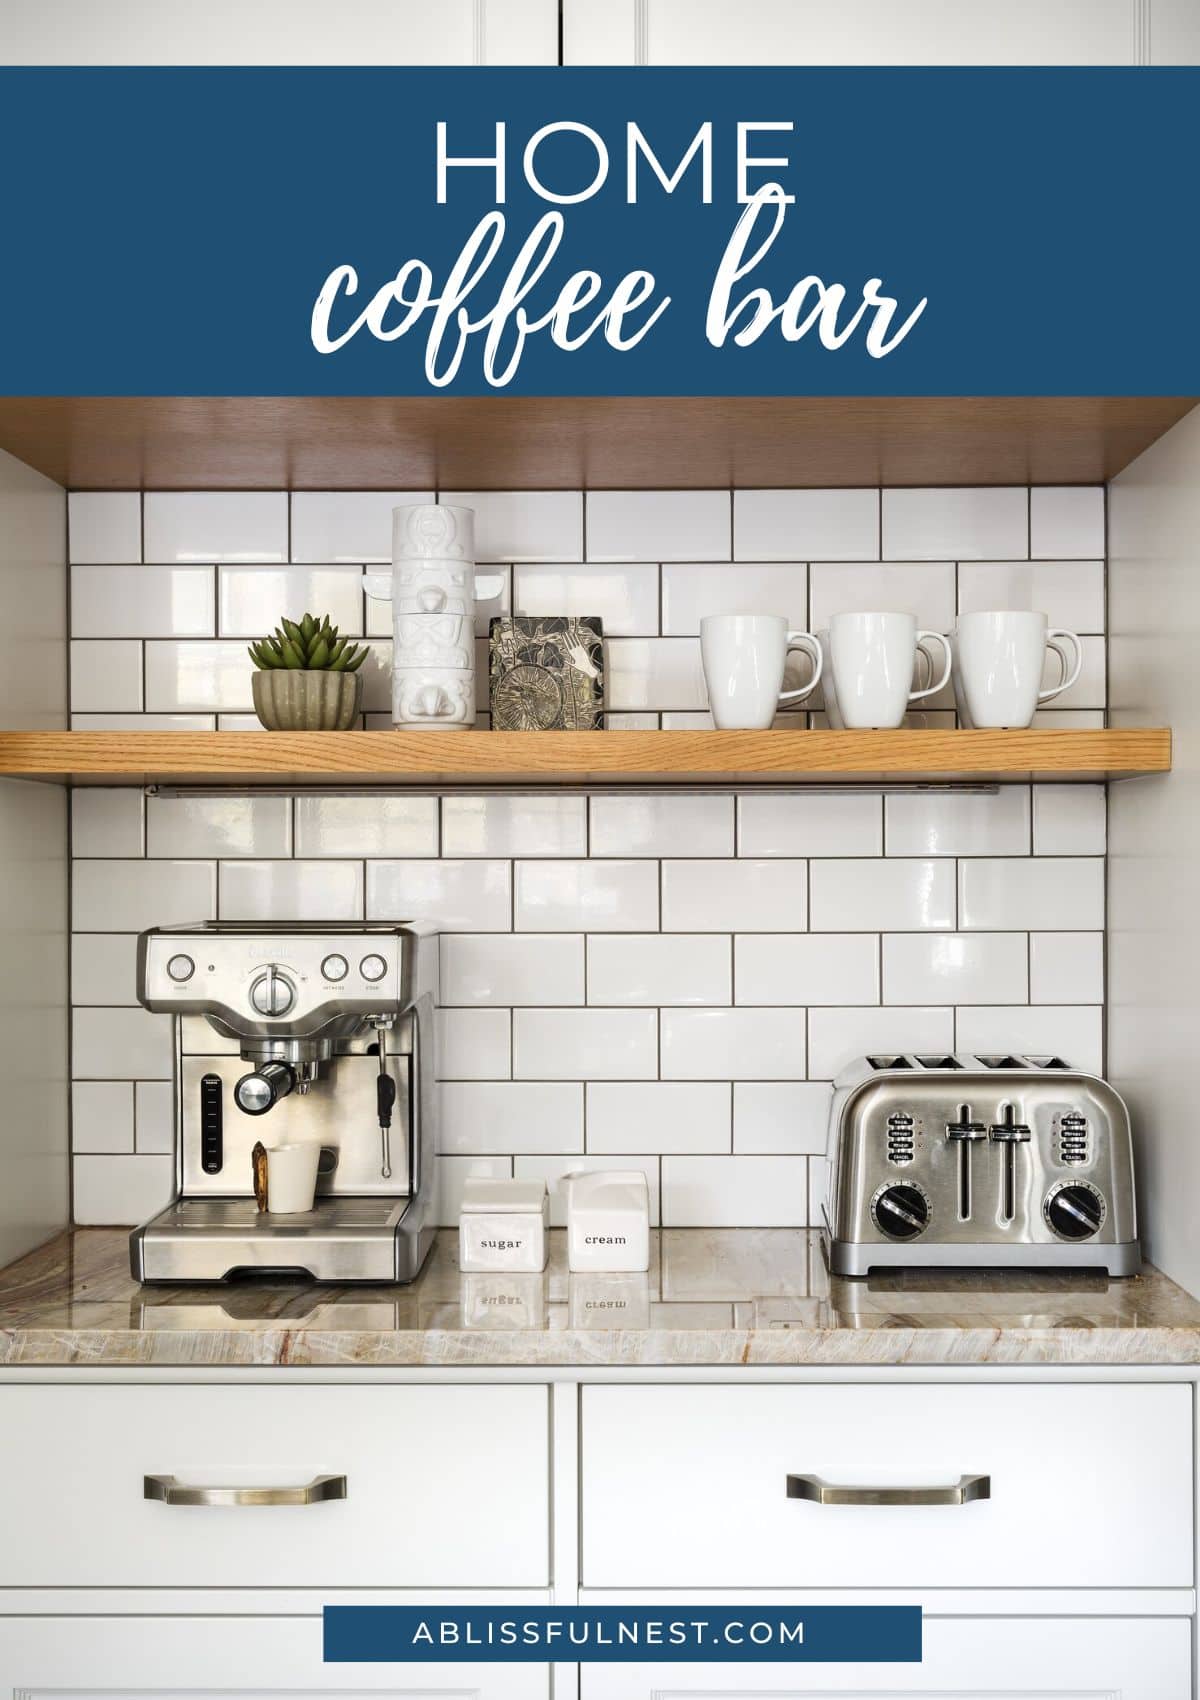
309	644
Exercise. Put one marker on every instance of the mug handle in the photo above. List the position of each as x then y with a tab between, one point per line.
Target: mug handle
1057	640
808	643
932	690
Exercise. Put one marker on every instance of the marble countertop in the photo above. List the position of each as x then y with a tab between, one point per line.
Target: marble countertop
745	1296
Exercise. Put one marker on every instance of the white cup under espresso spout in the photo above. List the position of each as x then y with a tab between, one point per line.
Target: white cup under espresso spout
999	661
744	656
872	659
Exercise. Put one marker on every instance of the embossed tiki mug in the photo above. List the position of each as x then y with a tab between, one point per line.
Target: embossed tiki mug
433	590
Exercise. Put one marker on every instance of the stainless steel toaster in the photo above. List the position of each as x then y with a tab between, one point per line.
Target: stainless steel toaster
976	1162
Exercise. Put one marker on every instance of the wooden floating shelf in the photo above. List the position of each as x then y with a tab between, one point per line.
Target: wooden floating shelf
416	759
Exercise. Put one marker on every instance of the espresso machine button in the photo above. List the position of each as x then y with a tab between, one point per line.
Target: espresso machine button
259	1092
372	967
181	968
335	967
272	993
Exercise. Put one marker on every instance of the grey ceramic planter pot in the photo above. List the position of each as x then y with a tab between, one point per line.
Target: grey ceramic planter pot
299	700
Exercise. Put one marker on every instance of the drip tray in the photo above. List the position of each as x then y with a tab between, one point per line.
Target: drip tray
216	1239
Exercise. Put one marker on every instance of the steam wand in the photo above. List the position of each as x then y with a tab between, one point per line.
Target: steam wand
385	1098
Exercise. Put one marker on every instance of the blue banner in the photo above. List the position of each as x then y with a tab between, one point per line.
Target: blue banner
642	1634
599	232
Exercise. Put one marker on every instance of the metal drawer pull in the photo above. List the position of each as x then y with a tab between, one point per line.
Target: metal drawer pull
168	1490
963	1492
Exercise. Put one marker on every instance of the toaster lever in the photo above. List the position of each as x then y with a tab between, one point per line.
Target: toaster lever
1010	1130
965	1127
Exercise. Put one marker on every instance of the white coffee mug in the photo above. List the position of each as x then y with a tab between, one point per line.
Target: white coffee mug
292	1177
922	674
744	656
999	660
872	658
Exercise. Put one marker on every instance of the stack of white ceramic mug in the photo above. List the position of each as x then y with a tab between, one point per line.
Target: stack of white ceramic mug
875	665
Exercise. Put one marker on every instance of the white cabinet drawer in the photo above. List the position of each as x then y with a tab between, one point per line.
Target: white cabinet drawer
1091	1486
964	1659
157	1658
445	1486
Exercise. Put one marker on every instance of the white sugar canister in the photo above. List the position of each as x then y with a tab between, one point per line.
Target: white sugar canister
502	1226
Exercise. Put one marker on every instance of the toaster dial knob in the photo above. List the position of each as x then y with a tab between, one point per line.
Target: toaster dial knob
1074	1210
901	1212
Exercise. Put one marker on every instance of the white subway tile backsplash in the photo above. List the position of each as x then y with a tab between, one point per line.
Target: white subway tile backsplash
253	600
955	968
732	1044
207	676
511	1115
624	598
127	895
102	1116
585	1044
820	825
366	826
152	602
658	968
120	1191
1067	520
106	677
894	894
1069	593
1069	820
106	823
512	969
104	525
218	826
744	896
837	1036
1075	1034
552	1169
154	1117
474	1044
659	525
1040	894
657	1115
780	1117
215	525
583	896
103	968
959	823
727	1192
347	525
520	825
588	1037
959	524
143	723
806	968
120	1044
291	891
523	525
458	897
654	673
806	525
662	824
924	589
1066	967
691	591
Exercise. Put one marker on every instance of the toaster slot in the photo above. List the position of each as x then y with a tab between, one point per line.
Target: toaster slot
889	1062
1003	1062
939	1062
1048	1062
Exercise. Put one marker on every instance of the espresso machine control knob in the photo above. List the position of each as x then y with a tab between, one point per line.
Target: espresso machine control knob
181	968
259	1092
901	1212
272	993
1074	1210
335	967
372	968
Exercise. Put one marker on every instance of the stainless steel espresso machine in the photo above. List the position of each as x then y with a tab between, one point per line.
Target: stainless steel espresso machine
285	1034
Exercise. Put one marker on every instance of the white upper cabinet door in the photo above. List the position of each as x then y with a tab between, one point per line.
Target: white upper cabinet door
872	32
278	32
963	1659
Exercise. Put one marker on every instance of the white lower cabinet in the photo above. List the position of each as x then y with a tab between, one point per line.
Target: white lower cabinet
223	1658
964	1659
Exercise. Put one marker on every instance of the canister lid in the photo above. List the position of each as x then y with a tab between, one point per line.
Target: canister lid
502	1197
